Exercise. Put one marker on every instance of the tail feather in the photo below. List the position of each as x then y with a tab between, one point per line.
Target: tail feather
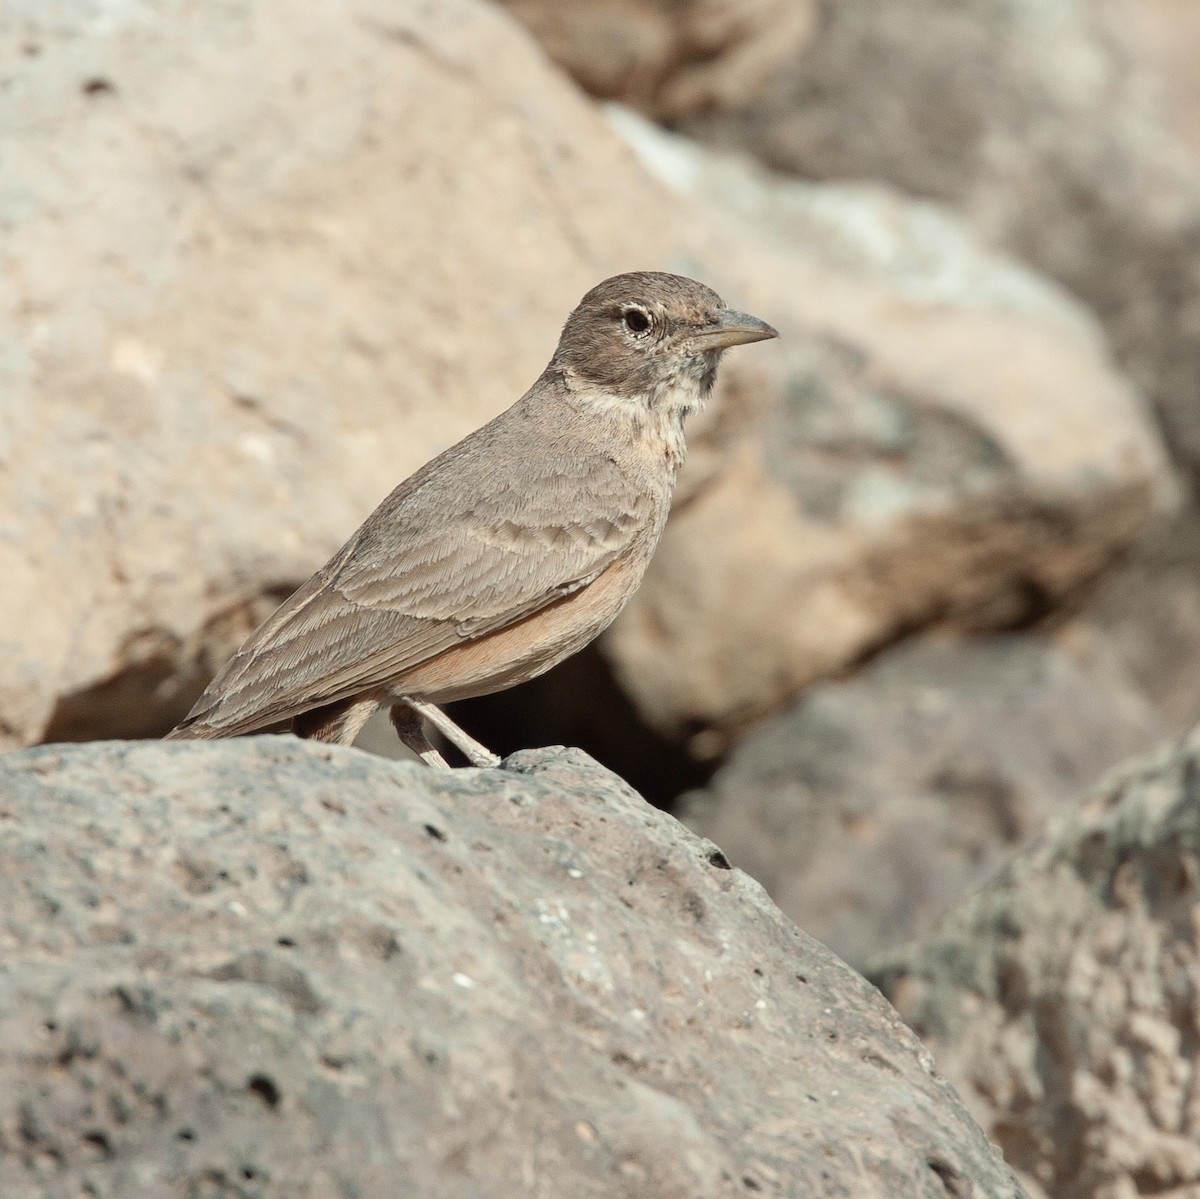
199	726
194	729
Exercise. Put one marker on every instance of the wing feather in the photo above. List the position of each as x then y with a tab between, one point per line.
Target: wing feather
455	553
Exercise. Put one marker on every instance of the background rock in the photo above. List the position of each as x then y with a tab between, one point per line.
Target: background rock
1063	1001
261	266
283	970
1166	34
318	245
1143	621
672	57
946	442
1044	124
871	807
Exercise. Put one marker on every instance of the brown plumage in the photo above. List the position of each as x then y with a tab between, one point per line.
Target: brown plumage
507	552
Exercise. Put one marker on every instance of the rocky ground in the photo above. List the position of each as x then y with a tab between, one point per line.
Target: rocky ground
933	569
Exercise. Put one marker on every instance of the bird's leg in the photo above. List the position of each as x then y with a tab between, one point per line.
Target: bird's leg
477	755
338	723
410	728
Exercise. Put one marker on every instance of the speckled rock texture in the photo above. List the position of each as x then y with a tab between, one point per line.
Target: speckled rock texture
270	969
1064	999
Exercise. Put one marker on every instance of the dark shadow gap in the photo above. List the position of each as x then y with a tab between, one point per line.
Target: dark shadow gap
579	703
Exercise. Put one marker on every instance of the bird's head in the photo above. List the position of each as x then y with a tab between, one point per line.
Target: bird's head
652	339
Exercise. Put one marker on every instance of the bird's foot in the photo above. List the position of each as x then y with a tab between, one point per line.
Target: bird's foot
410	728
406	717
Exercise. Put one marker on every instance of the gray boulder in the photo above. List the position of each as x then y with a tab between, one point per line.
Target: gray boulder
1064	999
265	968
874	804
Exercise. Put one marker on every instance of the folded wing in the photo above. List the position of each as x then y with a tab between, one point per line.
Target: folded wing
448	557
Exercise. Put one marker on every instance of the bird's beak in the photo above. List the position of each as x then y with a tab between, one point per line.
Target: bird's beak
732	329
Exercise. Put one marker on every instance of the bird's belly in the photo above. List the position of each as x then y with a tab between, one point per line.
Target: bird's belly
527	648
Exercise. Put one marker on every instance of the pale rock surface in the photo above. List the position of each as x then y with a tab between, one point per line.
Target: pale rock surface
1167	35
271	969
1065	131
261	261
1063	1000
948	443
875	803
264	260
1047	124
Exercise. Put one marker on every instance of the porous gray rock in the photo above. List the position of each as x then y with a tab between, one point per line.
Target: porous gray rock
875	803
1063	1000
285	970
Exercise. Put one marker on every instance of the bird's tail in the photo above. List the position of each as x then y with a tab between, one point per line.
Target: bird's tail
190	729
206	725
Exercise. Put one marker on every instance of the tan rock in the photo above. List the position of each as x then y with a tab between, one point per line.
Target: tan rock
1167	34
948	442
1046	124
265	260
1062	999
261	262
672	58
1061	130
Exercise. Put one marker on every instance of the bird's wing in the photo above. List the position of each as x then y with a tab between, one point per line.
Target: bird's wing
447	558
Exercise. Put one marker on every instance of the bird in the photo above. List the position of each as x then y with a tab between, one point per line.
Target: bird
505	553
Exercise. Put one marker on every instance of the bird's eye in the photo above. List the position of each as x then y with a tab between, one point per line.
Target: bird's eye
636	321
